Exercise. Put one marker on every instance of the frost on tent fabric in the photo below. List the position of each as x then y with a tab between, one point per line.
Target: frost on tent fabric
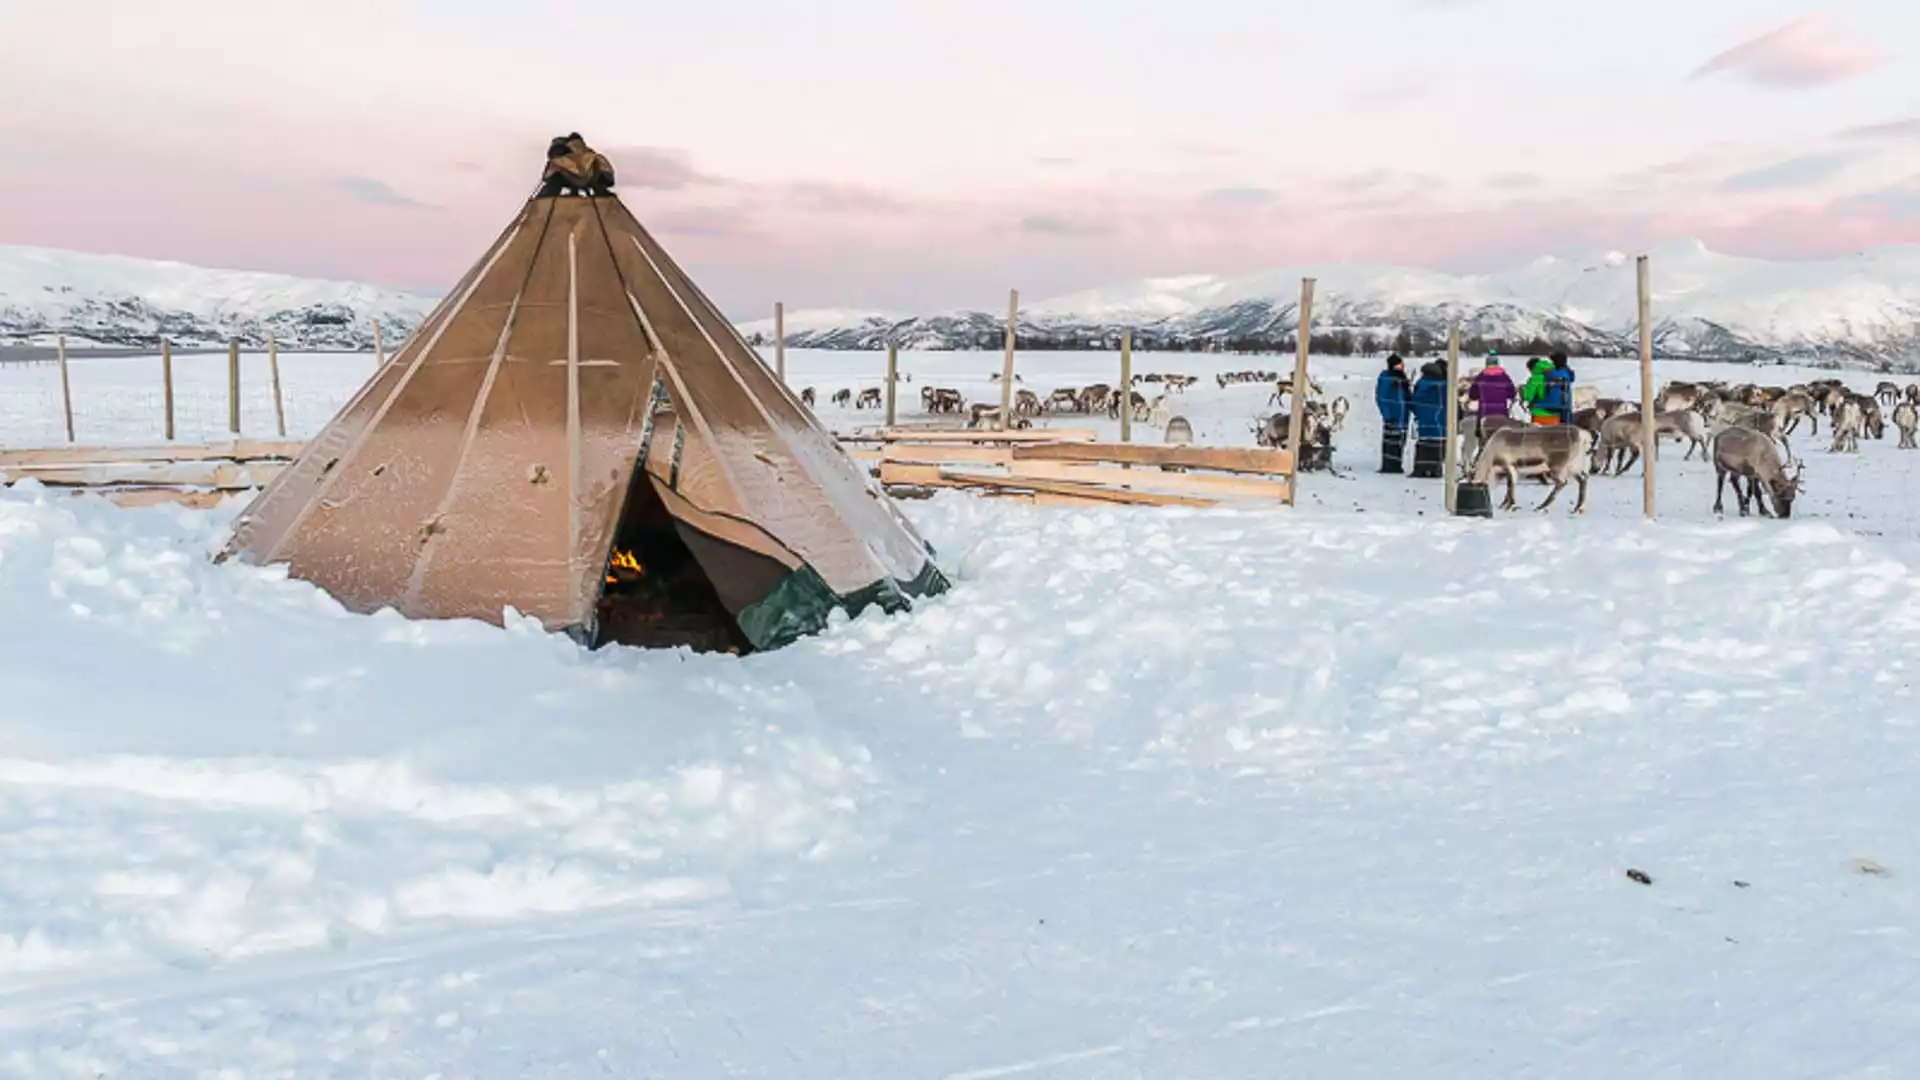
578	433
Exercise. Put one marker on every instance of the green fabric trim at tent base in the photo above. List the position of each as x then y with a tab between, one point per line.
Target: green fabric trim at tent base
801	604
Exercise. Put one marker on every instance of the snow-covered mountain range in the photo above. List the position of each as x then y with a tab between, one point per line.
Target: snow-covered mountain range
113	300
1864	309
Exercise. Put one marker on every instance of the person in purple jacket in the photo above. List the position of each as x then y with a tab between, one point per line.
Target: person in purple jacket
1492	391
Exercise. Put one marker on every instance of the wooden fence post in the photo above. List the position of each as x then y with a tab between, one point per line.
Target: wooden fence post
1451	470
1126	385
1006	370
1297	409
233	387
279	404
1648	443
379	349
893	379
166	382
66	385
780	340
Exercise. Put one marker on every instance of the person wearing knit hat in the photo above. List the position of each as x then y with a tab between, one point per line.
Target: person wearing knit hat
1393	395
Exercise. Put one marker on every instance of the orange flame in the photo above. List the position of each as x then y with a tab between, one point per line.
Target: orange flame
624	560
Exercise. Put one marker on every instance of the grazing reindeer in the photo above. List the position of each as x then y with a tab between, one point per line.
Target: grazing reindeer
1026	403
868	399
1847	419
1743	453
1764	421
1338	411
806	397
981	416
1564	452
1062	401
1873	422
1791	406
842	398
926	399
1620	437
1906	417
1887	393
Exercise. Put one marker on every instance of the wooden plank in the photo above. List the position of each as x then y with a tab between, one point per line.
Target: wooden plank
157	474
1220	459
1028	435
137	498
240	450
939	476
946	453
1204	484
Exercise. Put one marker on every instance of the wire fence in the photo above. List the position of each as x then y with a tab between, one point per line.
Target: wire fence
122	400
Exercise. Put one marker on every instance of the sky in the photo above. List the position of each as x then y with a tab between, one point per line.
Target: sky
911	155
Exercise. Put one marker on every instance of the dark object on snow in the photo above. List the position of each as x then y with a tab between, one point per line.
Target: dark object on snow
1639	876
1393	448
1743	884
1429	458
1472	500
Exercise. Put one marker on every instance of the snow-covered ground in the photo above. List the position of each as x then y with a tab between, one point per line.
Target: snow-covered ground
1229	793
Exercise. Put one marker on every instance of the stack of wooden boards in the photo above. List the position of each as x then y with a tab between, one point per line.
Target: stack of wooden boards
1057	466
1063	466
192	475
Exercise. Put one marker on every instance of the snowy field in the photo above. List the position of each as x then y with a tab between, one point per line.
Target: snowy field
1347	791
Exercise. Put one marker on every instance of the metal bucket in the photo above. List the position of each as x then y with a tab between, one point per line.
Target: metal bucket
1472	500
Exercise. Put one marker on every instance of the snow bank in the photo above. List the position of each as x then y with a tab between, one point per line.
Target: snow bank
1153	793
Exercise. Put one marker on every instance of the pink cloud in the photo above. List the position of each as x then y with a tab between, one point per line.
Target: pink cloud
1813	51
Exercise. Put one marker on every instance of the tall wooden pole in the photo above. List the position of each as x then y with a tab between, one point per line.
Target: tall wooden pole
1126	386
1006	370
66	385
233	387
1451	470
166	382
1297	410
780	340
379	347
279	404
1648	442
893	379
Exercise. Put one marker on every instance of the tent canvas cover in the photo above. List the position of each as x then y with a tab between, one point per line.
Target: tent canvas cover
578	433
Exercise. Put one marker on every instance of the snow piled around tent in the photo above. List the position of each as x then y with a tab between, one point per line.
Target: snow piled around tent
1153	793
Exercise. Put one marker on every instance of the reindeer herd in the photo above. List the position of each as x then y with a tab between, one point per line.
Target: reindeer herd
1090	400
1743	429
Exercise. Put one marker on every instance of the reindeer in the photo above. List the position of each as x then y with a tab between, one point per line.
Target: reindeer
1764	421
1564	452
1284	387
1159	413
806	397
926	399
1887	393
1338	411
1677	395
1791	406
868	399
1906	417
1026	403
1179	432
1585	397
1095	398
1061	401
943	400
1620	437
842	398
1873	422
1847	420
1742	453
1913	393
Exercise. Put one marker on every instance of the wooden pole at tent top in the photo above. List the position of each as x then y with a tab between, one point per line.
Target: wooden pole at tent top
1006	370
233	387
780	340
893	380
1297	410
279	403
1648	442
66	385
1126	386
166	382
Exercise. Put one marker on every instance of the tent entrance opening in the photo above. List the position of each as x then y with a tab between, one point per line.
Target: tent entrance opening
656	594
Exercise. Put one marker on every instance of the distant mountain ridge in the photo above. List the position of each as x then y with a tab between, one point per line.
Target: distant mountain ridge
115	300
1863	310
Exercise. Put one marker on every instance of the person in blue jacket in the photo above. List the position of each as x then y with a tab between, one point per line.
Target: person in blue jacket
1558	394
1430	402
1393	394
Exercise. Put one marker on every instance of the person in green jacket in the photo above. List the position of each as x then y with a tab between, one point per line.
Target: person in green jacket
1534	394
